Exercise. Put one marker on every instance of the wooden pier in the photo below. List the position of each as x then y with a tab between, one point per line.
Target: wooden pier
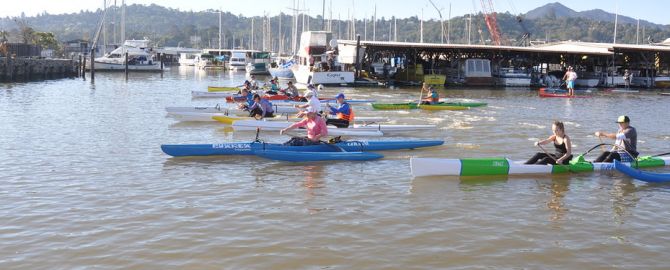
27	69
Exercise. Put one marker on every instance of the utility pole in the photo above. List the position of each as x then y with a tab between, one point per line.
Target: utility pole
374	25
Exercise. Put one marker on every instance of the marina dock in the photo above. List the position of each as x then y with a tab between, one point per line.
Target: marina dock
27	69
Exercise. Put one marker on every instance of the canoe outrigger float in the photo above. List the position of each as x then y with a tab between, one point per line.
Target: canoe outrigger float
641	175
503	166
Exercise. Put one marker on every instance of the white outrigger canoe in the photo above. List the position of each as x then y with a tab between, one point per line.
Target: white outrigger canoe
209	117
226	110
503	166
279	125
206	94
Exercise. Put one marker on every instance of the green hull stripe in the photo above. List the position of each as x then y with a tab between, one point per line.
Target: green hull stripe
488	166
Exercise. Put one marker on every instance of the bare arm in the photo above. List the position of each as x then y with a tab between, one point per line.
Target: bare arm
546	141
568	148
606	135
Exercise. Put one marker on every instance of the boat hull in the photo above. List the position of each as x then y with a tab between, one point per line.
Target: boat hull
226	149
502	166
640	175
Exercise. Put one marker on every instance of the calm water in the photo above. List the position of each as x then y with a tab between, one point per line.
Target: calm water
85	186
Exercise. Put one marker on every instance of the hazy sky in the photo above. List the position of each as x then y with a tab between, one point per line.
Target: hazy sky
651	10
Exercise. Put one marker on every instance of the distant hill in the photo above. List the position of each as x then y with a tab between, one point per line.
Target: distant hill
558	10
173	27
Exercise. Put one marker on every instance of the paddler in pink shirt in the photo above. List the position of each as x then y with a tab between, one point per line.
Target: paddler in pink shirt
316	129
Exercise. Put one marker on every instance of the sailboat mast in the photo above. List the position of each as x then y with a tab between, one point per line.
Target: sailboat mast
616	20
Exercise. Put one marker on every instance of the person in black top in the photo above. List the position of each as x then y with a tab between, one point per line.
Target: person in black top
562	144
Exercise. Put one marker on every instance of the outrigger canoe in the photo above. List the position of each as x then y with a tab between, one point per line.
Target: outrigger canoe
203	94
279	125
228	120
316	156
502	166
628	169
225	110
411	106
248	148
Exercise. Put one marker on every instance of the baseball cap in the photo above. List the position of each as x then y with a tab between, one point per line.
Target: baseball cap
623	119
308	94
340	95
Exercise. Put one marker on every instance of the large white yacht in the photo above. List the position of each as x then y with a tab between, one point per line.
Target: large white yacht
317	61
140	57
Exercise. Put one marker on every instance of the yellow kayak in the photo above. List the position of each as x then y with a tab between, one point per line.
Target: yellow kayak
222	88
440	108
228	120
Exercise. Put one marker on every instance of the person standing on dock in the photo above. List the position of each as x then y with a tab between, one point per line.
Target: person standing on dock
627	76
569	78
625	145
343	112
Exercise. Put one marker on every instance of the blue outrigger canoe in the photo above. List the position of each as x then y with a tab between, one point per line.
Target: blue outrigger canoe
249	148
294	156
641	175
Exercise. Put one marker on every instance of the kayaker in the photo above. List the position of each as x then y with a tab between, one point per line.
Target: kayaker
313	104
625	141
569	78
310	88
274	88
246	93
291	90
253	82
316	129
261	108
343	112
562	145
432	96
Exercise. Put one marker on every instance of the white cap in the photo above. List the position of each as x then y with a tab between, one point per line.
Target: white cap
308	94
320	87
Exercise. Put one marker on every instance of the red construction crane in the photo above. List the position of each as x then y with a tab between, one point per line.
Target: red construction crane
491	21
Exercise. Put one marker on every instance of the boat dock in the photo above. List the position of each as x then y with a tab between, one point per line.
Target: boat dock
26	69
598	64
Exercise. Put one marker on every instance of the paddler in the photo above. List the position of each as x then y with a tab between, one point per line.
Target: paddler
316	129
432	96
291	90
562	145
625	142
253	82
343	112
310	88
274	88
313	104
261	108
246	93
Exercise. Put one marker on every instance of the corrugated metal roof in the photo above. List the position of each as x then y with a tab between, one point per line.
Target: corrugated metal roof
566	47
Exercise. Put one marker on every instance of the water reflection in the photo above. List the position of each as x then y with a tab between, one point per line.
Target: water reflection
557	188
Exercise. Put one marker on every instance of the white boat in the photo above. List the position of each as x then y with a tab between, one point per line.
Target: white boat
238	60
226	110
140	58
317	62
252	125
278	125
513	77
258	63
283	71
189	59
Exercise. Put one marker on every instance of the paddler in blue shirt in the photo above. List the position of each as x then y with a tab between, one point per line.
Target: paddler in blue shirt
261	108
343	112
249	97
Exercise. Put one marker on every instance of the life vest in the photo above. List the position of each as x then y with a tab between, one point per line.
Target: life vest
349	117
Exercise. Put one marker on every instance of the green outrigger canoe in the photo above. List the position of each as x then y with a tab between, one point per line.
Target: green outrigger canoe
411	106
